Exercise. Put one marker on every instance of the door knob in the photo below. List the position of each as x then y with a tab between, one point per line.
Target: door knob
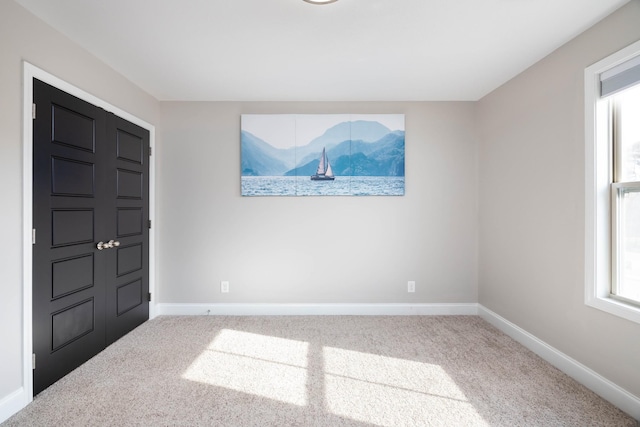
110	244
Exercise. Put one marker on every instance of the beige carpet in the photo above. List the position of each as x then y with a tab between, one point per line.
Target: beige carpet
318	371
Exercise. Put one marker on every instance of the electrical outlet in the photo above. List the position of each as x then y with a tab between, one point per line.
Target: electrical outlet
411	286
224	287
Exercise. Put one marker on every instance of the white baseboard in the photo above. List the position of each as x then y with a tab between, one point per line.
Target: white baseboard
12	403
608	390
240	309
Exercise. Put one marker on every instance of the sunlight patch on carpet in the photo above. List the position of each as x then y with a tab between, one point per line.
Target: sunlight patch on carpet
387	391
270	367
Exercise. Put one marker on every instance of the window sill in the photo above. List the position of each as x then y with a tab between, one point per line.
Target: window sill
615	307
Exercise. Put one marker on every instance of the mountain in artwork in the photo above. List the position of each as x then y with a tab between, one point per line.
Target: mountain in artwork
357	148
261	159
357	158
362	130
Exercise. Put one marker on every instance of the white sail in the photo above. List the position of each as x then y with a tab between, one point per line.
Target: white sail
321	165
329	172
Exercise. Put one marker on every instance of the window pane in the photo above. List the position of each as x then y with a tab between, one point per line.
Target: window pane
629	249
629	104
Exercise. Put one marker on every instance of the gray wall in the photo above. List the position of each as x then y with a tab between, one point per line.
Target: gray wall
24	37
532	191
316	249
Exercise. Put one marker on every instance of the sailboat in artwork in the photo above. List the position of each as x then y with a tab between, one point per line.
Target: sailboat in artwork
324	172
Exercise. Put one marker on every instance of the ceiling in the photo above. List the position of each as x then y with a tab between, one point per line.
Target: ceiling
350	50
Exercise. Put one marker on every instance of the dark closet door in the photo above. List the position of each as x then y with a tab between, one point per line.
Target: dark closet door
128	262
90	262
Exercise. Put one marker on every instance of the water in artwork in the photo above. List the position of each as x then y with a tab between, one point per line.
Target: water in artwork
341	186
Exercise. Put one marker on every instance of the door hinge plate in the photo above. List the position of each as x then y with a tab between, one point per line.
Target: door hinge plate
150	151
33	110
149	297
33	236
33	361
149	224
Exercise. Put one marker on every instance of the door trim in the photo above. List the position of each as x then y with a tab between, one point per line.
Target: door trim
30	72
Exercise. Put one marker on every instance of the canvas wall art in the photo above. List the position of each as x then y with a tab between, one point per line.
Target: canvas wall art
322	154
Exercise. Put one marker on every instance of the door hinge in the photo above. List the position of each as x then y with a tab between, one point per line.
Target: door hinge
33	110
33	236
33	361
149	224
150	151
149	297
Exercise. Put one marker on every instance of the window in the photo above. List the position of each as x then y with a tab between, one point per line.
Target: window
625	195
612	233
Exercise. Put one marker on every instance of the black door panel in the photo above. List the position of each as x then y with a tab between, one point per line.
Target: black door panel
81	303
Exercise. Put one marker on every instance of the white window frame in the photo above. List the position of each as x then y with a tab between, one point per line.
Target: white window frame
598	199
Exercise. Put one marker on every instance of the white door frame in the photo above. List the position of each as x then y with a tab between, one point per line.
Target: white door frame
30	72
